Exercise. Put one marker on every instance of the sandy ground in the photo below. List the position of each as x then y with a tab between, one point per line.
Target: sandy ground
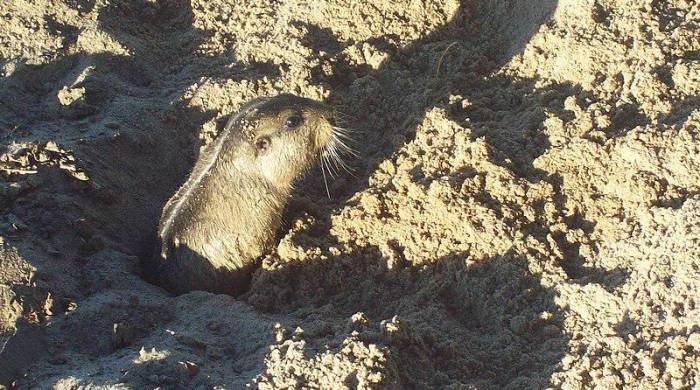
524	212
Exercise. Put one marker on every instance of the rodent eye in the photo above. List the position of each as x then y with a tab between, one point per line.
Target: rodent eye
293	121
262	143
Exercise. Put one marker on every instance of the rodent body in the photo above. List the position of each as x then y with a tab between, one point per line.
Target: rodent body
227	213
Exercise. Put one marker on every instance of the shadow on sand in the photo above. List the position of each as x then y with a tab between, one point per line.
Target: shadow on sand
507	327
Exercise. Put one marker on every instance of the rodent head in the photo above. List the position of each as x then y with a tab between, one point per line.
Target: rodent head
282	136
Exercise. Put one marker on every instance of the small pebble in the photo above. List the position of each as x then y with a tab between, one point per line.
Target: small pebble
190	368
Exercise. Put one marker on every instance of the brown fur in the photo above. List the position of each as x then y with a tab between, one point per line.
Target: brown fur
227	213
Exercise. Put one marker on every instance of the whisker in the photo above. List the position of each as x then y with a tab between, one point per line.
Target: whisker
331	171
332	167
342	164
347	149
344	147
337	161
345	137
325	182
343	131
332	155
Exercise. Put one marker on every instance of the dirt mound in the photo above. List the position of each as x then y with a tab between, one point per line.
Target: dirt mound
524	211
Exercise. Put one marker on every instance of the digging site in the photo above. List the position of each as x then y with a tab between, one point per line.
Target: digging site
523	211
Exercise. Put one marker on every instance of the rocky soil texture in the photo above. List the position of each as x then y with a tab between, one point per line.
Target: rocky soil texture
524	211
